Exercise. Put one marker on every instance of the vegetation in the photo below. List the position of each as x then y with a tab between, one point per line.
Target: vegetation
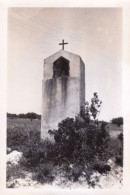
81	147
30	115
118	121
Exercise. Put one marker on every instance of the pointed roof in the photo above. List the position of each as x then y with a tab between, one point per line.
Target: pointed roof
60	53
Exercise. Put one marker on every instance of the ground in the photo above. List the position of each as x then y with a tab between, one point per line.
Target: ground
19	177
22	178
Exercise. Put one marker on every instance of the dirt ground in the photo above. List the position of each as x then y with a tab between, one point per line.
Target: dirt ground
23	179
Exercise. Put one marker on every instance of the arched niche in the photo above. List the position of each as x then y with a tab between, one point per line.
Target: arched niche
61	67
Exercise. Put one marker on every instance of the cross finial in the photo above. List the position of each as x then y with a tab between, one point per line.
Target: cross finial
63	43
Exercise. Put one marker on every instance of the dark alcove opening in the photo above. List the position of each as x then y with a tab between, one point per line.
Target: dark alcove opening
60	67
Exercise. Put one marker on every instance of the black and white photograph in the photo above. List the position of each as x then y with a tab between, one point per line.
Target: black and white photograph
65	98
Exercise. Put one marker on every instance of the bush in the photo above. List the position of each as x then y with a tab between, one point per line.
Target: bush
118	121
81	144
91	110
37	153
120	136
15	171
30	115
44	173
18	138
119	160
116	150
102	168
77	141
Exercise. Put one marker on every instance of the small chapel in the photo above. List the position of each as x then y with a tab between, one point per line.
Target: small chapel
63	88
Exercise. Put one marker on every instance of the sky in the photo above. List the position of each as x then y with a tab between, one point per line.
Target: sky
95	34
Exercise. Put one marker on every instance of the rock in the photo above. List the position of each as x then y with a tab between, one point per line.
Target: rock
95	177
110	162
84	173
82	179
95	174
14	157
71	165
8	150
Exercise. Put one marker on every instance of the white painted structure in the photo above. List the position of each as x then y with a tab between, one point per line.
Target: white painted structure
63	89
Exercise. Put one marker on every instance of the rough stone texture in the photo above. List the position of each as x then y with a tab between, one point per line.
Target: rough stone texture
62	96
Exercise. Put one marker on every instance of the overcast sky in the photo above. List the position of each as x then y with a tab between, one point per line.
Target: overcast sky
93	33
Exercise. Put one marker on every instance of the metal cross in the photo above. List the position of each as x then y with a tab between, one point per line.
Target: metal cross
63	43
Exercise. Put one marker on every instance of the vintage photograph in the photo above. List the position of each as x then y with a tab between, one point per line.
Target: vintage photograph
64	98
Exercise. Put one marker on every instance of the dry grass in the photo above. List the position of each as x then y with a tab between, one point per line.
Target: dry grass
35	124
115	130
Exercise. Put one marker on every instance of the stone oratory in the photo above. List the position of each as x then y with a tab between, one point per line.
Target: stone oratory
63	88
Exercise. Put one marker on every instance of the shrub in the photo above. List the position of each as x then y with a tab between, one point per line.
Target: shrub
38	158
16	137
39	152
44	173
116	150
15	171
91	110
80	144
119	160
120	136
30	115
19	138
11	115
118	121
102	168
81	141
